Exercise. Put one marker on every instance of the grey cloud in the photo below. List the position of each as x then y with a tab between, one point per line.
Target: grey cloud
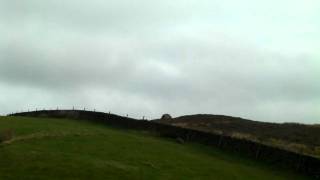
101	16
135	59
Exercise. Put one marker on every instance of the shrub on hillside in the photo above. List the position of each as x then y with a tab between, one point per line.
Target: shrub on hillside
6	135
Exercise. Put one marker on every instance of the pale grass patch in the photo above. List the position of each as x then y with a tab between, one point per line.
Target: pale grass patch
43	135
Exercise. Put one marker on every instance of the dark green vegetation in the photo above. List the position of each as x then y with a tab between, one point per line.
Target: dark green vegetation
295	137
42	148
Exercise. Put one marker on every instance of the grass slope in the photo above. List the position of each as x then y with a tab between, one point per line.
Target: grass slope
69	149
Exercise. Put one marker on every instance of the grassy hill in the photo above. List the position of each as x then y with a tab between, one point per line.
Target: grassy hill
43	148
295	137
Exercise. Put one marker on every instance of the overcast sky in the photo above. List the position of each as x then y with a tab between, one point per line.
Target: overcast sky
254	59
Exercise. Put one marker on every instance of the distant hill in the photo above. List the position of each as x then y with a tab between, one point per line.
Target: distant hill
291	136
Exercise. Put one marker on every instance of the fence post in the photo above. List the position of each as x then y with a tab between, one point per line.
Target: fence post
220	140
258	152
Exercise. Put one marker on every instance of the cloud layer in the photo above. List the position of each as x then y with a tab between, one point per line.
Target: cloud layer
248	59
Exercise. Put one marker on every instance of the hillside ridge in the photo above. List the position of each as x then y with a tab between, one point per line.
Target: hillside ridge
262	152
297	137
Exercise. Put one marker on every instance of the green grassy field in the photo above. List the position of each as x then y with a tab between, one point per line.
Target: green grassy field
68	149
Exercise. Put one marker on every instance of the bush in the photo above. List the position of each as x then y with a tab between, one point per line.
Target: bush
6	135
317	150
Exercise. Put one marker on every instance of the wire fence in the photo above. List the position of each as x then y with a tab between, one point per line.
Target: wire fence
74	109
